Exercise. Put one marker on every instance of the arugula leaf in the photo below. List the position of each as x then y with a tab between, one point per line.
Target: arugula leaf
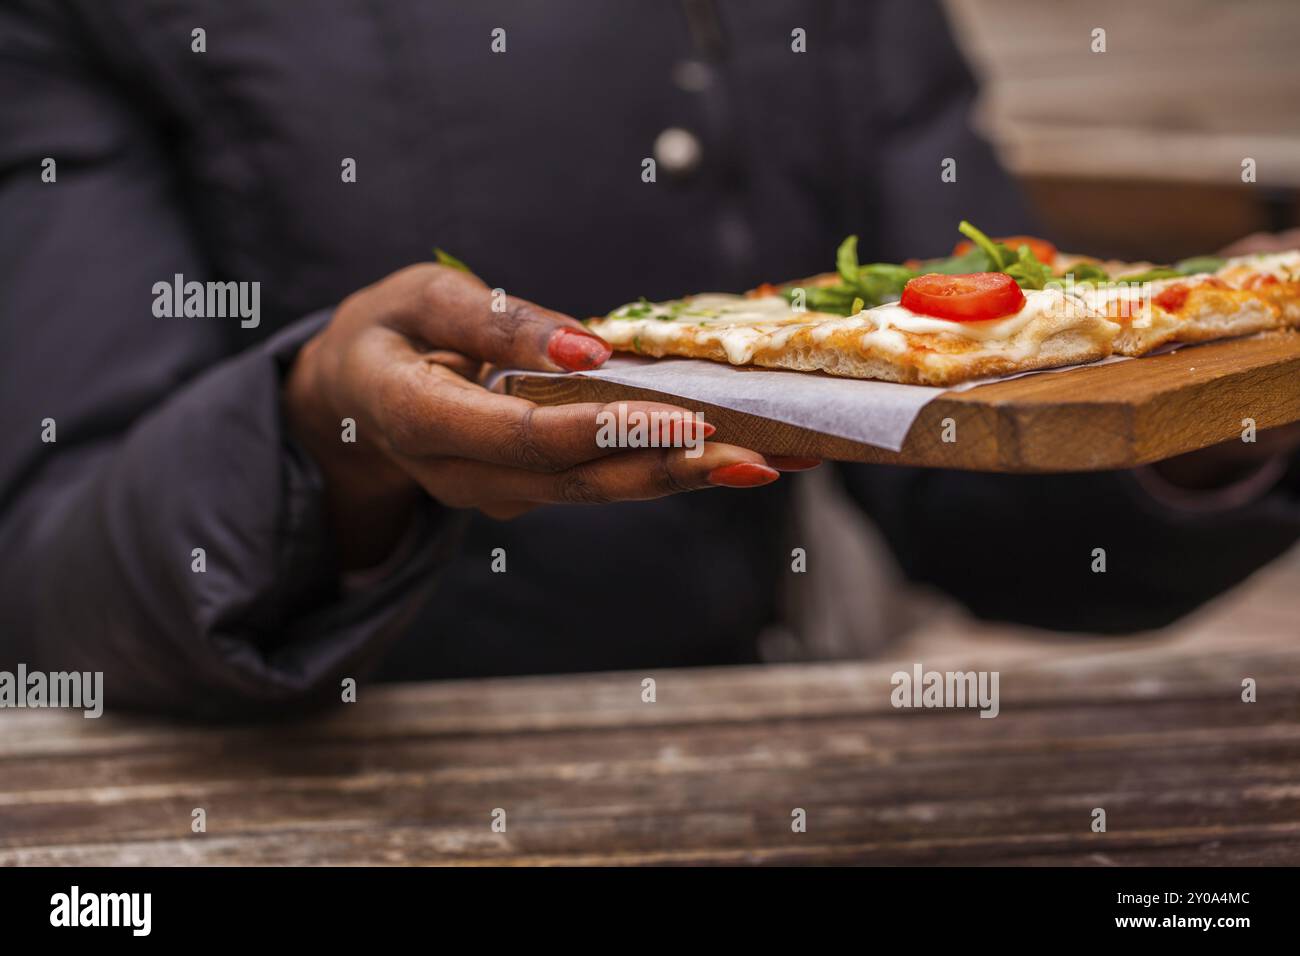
1187	267
976	260
447	259
638	310
999	255
886	275
882	282
859	286
879	282
1151	275
1021	264
835	299
1086	272
829	299
1200	264
846	260
1028	272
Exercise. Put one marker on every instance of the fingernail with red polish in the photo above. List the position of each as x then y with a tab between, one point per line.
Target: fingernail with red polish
743	474
792	462
685	429
576	351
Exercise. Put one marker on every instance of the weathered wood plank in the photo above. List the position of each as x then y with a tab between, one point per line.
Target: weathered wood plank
1133	670
1177	760
708	775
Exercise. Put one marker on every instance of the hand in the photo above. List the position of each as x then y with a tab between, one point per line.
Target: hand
401	358
1263	242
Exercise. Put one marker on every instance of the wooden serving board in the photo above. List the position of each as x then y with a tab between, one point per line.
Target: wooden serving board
1087	419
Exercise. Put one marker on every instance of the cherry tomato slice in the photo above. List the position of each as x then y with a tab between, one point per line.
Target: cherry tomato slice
1173	298
1043	250
1259	280
964	298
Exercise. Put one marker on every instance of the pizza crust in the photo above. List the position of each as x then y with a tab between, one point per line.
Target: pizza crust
1071	346
1208	314
927	361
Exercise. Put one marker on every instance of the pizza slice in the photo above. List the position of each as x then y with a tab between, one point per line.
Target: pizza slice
893	342
994	307
877	321
1198	300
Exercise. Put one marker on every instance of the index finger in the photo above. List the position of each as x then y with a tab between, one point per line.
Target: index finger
455	310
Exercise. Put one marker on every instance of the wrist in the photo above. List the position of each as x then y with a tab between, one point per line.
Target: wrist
368	497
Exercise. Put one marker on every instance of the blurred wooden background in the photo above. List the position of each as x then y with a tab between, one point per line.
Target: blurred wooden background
1136	152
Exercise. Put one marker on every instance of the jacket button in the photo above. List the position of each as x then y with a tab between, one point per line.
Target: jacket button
677	151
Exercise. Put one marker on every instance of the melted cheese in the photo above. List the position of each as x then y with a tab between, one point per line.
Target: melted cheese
714	308
1273	262
1131	300
1283	266
740	324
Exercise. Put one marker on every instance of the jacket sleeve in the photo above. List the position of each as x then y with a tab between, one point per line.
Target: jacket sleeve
1024	548
156	521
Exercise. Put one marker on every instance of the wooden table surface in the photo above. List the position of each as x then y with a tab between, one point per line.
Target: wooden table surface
1154	733
1085	419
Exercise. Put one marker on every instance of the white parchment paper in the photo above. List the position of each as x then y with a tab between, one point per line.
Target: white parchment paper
874	413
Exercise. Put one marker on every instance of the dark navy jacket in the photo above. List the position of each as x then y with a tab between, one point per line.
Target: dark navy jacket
225	164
